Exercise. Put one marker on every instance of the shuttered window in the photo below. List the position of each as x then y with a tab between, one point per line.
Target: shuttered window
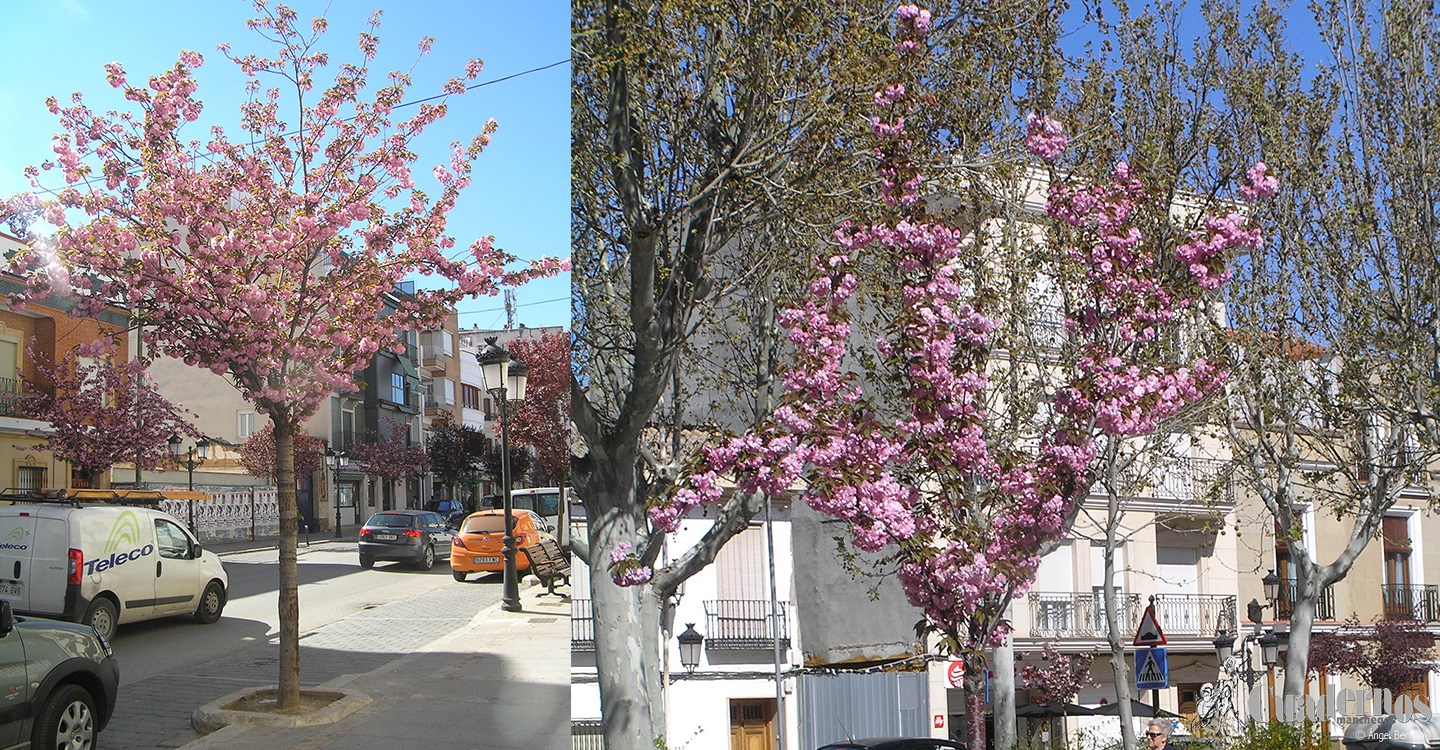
1396	532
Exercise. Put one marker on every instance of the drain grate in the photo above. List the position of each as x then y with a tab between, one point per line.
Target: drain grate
543	619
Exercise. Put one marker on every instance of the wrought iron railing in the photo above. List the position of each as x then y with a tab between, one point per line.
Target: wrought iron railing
9	396
1324	608
745	624
1196	614
1070	615
1185	479
587	734
582	625
1418	603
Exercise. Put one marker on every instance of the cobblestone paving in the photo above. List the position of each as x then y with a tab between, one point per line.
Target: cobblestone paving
154	712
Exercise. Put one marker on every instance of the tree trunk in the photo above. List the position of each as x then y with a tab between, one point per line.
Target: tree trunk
1302	619
627	647
1117	646
1004	688
974	699
289	591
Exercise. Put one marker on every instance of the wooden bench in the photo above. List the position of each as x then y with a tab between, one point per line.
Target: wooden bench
548	563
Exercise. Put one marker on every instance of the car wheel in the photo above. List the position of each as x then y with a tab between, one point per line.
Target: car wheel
103	617
367	563
66	721
459	575
427	558
212	603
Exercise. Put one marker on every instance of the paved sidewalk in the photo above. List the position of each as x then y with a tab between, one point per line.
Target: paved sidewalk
500	681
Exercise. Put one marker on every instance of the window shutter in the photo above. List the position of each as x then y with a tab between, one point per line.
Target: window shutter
1396	532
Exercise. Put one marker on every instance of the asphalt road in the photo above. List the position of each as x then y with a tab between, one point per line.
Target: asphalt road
332	586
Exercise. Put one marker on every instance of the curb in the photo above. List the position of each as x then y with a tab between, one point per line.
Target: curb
212	716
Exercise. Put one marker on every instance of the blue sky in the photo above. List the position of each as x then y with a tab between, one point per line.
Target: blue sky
521	190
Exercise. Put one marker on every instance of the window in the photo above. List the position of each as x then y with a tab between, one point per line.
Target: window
244	425
347	427
30	478
397	387
470	396
172	542
488	414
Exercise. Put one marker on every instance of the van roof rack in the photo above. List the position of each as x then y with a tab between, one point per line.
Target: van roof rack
148	498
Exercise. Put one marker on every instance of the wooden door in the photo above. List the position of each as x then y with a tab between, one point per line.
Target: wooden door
752	724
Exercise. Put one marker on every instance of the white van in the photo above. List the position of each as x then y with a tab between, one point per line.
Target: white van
104	563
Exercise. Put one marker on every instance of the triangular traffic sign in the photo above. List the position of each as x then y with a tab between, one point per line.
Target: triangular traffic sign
1149	632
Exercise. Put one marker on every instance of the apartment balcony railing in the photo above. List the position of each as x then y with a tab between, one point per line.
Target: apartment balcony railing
1188	480
9	393
433	358
1070	615
582	625
1418	603
1197	615
735	624
1324	609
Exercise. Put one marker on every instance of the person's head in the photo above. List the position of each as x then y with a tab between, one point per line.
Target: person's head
1157	734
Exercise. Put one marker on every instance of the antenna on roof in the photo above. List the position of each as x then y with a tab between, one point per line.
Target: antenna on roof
509	309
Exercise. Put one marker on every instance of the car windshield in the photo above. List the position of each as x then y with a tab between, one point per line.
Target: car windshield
485	524
389	521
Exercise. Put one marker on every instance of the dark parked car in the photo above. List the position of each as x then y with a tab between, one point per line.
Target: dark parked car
63	677
896	743
413	536
453	511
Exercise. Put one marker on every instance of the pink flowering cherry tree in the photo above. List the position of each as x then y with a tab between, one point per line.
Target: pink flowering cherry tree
386	455
267	256
911	452
100	412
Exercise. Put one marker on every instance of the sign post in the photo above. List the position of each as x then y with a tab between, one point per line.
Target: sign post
1152	665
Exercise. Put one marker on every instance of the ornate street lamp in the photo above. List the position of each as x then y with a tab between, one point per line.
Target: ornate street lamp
1272	586
336	459
504	379
1270	648
1224	645
690	642
194	459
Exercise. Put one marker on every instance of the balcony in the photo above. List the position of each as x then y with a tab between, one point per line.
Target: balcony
582	626
1067	615
745	624
1189	480
433	359
9	392
1196	615
1324	609
1418	603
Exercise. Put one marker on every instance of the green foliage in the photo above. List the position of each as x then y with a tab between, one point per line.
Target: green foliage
1281	736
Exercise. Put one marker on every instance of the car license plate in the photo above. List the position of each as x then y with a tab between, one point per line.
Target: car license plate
12	588
486	560
386	537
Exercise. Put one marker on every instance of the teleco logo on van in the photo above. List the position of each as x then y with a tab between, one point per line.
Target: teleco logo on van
125	533
15	539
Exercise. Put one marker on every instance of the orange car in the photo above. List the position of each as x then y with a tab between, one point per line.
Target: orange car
480	540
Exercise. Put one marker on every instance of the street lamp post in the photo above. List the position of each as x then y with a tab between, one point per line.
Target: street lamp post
1269	643
503	378
191	463
336	459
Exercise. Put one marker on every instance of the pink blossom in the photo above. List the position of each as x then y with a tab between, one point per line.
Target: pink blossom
1044	137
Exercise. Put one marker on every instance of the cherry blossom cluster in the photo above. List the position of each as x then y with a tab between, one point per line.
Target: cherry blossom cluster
1059	677
1044	137
626	568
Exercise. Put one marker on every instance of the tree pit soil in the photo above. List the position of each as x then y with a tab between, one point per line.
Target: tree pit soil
268	702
